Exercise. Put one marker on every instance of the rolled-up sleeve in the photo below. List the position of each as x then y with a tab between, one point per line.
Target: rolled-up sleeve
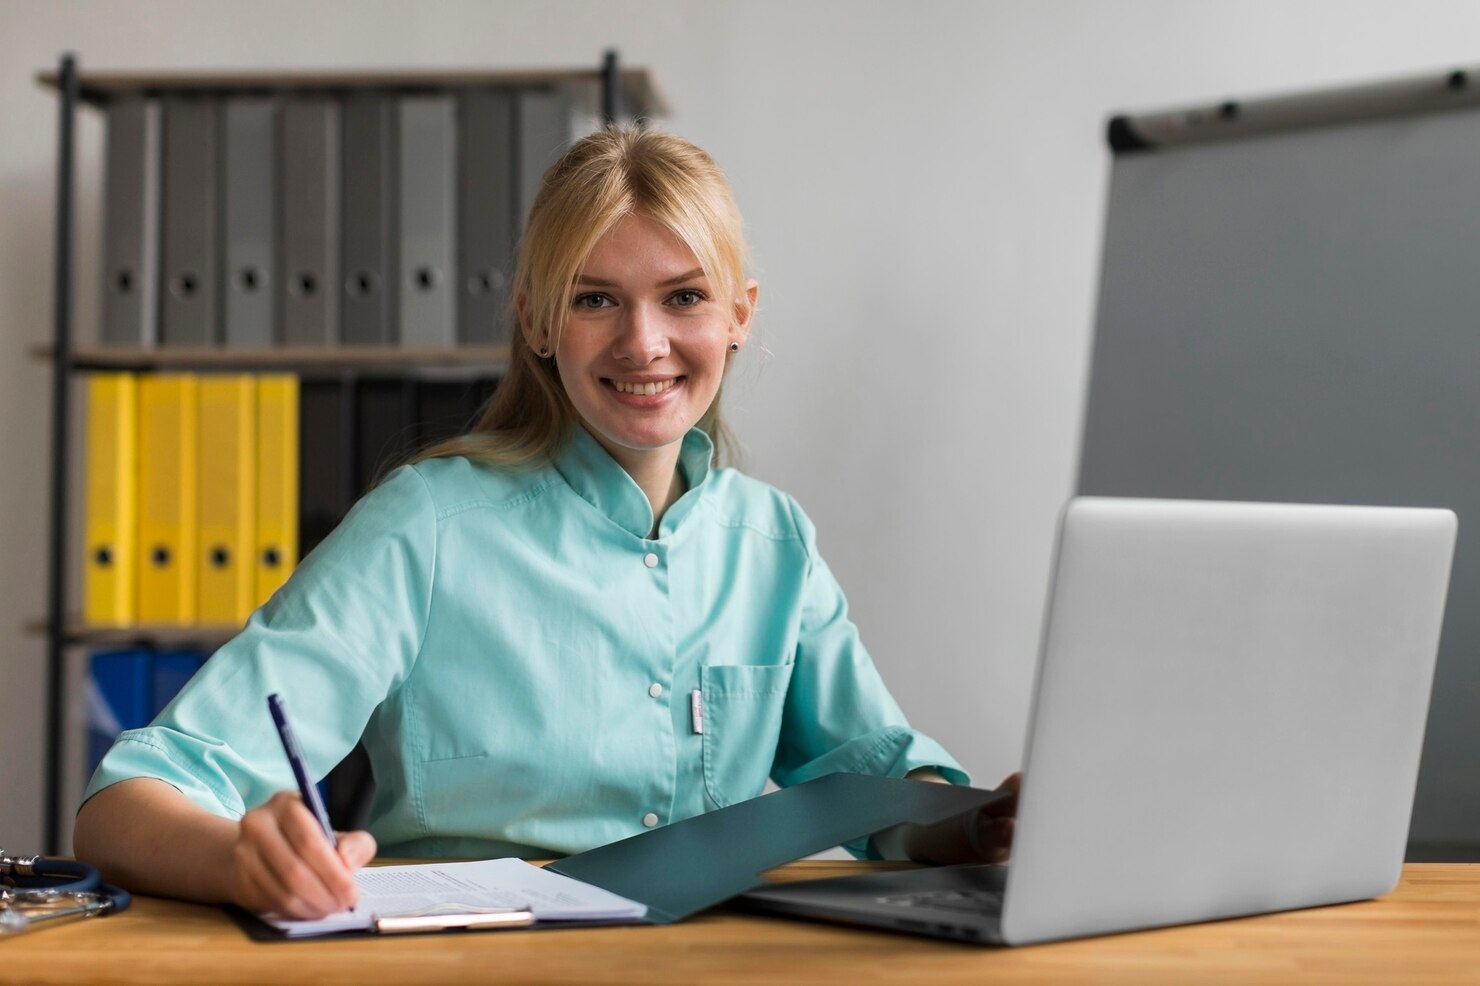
839	716
339	637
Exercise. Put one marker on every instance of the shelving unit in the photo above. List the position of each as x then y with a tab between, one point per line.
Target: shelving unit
604	90
197	635
207	358
600	92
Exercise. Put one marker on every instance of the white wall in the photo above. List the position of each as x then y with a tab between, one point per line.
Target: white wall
923	186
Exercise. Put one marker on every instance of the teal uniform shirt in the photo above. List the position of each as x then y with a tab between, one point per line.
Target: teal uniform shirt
522	662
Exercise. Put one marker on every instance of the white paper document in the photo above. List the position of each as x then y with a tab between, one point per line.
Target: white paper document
488	885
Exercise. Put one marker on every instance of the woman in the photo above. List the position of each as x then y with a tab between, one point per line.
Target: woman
552	633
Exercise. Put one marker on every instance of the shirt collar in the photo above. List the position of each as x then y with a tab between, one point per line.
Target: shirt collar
601	481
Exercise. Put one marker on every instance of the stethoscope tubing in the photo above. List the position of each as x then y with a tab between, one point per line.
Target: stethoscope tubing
61	878
65	876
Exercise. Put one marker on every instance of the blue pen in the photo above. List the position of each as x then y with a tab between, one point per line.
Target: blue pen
306	786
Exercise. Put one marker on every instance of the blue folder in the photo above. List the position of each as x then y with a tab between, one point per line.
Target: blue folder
171	670
119	697
127	689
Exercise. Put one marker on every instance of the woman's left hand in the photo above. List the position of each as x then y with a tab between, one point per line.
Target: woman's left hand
982	835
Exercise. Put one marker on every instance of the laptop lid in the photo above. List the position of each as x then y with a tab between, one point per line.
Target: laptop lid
1228	712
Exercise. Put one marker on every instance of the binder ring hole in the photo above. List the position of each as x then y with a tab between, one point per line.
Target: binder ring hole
271	558
426	278
103	557
250	279
220	556
304	285
160	556
361	285
124	282
184	285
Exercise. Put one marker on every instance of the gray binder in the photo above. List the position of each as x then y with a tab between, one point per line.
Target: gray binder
308	285
368	302
427	175
189	293
250	217
131	224
542	129
486	207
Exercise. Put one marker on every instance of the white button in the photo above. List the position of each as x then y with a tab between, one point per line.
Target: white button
655	690
650	819
650	560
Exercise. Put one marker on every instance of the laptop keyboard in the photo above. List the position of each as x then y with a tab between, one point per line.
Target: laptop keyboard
973	901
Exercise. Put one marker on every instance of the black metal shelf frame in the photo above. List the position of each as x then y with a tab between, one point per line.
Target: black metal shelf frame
58	635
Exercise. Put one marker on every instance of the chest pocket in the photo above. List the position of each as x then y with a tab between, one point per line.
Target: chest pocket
743	704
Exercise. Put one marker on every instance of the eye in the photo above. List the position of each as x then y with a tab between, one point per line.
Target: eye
689	297
591	302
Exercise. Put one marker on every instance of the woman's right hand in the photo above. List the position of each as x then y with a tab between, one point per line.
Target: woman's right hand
283	863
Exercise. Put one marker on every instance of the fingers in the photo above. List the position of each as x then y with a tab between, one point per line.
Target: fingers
261	890
273	863
1007	807
993	841
356	848
282	855
310	845
996	823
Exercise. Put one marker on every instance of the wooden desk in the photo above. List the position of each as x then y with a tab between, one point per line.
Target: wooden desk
1427	931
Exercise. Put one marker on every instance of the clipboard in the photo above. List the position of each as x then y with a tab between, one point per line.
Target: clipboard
691	865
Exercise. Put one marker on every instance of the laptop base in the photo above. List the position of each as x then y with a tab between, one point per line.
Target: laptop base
961	903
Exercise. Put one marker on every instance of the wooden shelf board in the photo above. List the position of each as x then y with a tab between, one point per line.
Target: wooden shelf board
280	358
168	635
640	92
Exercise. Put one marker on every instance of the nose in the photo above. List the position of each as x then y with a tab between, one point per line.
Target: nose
642	336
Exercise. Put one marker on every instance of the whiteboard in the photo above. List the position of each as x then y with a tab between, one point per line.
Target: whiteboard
1294	315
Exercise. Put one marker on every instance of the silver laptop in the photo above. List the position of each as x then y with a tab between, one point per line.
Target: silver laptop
1227	720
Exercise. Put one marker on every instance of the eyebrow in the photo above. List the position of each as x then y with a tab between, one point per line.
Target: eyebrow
601	282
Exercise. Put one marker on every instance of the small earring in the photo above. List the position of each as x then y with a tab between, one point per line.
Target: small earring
734	347
544	351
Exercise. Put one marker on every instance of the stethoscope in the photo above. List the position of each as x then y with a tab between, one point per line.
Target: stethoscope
35	889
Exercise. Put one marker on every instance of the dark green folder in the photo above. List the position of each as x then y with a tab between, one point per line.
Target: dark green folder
683	868
686	867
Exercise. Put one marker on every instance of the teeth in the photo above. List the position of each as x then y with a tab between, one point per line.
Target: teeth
644	389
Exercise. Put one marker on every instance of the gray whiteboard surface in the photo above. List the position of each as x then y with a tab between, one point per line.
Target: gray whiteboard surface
1296	317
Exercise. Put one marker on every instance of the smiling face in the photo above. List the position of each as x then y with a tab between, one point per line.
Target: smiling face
644	350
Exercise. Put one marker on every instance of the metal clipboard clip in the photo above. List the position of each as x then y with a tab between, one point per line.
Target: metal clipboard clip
478	920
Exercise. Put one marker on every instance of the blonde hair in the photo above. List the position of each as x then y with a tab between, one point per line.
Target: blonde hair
602	177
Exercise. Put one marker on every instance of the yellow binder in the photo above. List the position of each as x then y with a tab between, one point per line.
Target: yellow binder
277	482
226	575
167	498
110	472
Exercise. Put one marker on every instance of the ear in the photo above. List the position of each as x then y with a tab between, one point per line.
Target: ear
744	312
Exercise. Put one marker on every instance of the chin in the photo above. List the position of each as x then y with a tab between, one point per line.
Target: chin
644	443
641	439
